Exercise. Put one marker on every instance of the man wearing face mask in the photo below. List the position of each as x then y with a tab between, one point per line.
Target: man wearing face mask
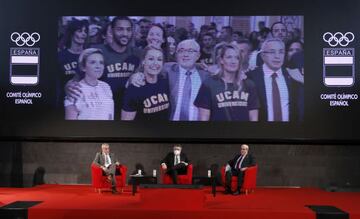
175	163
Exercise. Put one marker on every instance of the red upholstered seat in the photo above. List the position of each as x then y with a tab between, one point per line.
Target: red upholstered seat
249	182
182	179
100	182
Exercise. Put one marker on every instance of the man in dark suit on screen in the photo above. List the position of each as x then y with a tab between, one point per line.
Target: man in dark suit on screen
175	163
280	95
108	163
236	167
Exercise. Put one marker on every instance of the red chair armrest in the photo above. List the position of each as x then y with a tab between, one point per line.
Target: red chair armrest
250	177
123	171
96	174
190	170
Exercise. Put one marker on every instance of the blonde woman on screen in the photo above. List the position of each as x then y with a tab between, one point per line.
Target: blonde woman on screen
227	96
150	102
95	101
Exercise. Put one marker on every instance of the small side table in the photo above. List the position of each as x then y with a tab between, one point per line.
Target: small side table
136	180
206	181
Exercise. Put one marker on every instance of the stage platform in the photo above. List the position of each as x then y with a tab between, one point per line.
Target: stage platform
82	202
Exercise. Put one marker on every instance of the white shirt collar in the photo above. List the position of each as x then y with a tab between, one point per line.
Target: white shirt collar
268	72
183	70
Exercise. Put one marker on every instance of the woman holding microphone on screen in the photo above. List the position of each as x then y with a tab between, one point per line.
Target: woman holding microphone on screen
95	101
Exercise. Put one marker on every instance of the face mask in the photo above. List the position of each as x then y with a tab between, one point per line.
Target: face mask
177	152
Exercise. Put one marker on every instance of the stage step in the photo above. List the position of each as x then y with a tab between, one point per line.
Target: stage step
170	186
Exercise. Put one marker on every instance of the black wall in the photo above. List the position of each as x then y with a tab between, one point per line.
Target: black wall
279	165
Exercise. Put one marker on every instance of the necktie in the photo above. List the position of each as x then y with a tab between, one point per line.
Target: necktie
176	159
185	102
106	160
238	163
276	98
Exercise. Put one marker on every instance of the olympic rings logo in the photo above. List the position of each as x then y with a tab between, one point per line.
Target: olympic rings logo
338	38
25	38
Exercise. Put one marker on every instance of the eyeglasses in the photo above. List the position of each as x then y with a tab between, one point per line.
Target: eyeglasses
189	51
275	52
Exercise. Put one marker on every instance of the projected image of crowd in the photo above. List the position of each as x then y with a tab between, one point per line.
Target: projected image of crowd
245	68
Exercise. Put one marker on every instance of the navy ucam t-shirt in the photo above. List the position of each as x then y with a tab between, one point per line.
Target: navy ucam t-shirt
150	102
119	66
68	63
227	104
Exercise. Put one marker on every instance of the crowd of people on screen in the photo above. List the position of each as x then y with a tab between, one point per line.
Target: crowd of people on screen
127	69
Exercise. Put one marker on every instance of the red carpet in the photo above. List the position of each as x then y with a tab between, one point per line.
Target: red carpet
80	201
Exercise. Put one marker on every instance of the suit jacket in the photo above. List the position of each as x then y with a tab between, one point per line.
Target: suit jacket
169	159
100	159
295	89
171	71
248	161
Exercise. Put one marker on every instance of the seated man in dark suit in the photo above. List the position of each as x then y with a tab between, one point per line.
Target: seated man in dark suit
236	167
175	163
108	162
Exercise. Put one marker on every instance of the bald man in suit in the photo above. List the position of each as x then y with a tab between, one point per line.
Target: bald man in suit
237	167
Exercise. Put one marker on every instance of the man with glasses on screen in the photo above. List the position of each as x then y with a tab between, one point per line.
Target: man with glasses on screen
278	30
108	163
279	94
237	167
184	81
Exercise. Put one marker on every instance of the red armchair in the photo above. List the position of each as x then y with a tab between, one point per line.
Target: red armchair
182	179
249	181
100	182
